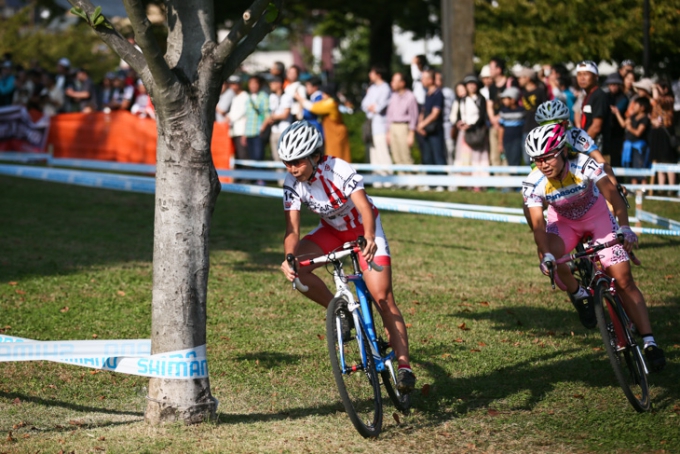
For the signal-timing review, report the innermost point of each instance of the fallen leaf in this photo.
(16, 401)
(75, 422)
(13, 283)
(597, 349)
(676, 345)
(94, 336)
(459, 340)
(463, 327)
(63, 309)
(493, 412)
(18, 425)
(551, 333)
(465, 304)
(578, 396)
(482, 344)
(321, 336)
(425, 390)
(446, 355)
(412, 311)
(257, 362)
(668, 276)
(120, 293)
(396, 417)
(102, 397)
(20, 292)
(101, 438)
(444, 434)
(409, 325)
(505, 341)
(27, 436)
(516, 344)
(98, 448)
(484, 303)
(10, 437)
(471, 446)
(475, 350)
(93, 372)
(415, 302)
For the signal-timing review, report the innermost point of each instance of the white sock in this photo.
(647, 341)
(581, 293)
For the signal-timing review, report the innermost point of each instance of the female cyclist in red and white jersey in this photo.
(331, 188)
(575, 190)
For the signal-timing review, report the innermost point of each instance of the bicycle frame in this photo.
(617, 312)
(361, 310)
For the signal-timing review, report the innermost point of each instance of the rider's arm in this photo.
(538, 226)
(610, 193)
(291, 240)
(368, 220)
(597, 156)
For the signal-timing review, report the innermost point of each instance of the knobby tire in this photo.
(359, 390)
(627, 363)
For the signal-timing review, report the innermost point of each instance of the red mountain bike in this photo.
(615, 327)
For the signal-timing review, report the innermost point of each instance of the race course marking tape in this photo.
(147, 185)
(124, 356)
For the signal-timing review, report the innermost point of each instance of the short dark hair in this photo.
(381, 71)
(644, 103)
(403, 77)
(422, 60)
(280, 67)
(315, 81)
(498, 61)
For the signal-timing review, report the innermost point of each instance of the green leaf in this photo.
(79, 12)
(272, 13)
(97, 11)
(100, 20)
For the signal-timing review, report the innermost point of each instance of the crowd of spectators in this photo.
(70, 89)
(482, 121)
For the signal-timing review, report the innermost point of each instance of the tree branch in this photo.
(248, 45)
(114, 40)
(241, 29)
(159, 68)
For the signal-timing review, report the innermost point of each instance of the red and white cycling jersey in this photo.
(579, 141)
(570, 197)
(327, 194)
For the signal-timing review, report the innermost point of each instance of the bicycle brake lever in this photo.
(551, 273)
(290, 258)
(623, 196)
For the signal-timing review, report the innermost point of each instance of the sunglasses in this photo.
(294, 162)
(546, 158)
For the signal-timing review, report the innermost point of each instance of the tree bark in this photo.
(187, 187)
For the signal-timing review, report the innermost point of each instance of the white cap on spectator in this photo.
(511, 92)
(589, 66)
(64, 62)
(486, 71)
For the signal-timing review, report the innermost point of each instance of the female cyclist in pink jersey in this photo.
(575, 190)
(331, 188)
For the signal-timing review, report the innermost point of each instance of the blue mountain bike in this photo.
(361, 359)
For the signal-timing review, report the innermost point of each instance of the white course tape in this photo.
(663, 199)
(124, 356)
(646, 216)
(102, 165)
(17, 156)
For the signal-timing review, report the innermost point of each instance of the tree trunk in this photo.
(187, 187)
(458, 34)
(380, 43)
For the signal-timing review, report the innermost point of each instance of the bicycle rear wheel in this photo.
(402, 402)
(355, 376)
(626, 359)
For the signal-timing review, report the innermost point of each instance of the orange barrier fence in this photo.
(121, 137)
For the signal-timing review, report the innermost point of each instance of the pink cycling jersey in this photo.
(575, 206)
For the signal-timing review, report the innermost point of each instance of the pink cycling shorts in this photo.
(329, 239)
(598, 222)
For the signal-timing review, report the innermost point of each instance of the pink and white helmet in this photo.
(545, 140)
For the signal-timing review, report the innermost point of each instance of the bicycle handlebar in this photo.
(348, 248)
(290, 258)
(590, 251)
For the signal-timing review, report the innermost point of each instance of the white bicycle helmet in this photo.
(552, 111)
(545, 140)
(299, 140)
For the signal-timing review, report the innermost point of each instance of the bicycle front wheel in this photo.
(626, 359)
(354, 370)
(402, 402)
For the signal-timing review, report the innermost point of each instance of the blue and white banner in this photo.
(19, 132)
(124, 356)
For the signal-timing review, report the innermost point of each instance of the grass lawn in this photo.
(522, 376)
